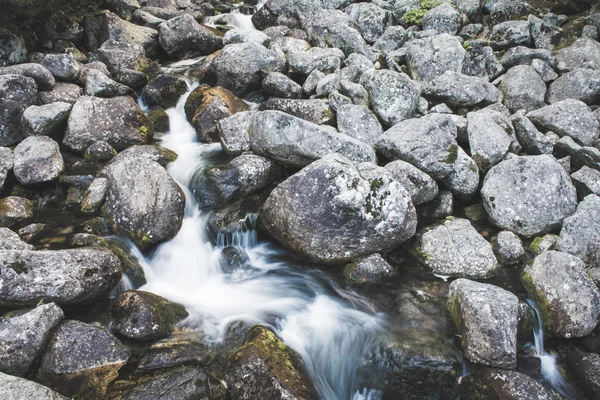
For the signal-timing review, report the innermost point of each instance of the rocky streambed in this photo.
(301, 200)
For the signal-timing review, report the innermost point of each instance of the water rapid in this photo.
(333, 330)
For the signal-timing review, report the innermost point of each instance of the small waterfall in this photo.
(333, 331)
(549, 366)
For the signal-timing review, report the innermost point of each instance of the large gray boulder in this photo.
(37, 159)
(359, 122)
(486, 317)
(239, 67)
(62, 66)
(579, 84)
(63, 92)
(580, 232)
(215, 187)
(532, 140)
(428, 143)
(14, 209)
(184, 34)
(143, 202)
(94, 195)
(104, 25)
(325, 60)
(14, 388)
(583, 53)
(490, 138)
(523, 89)
(99, 356)
(6, 165)
(10, 240)
(421, 187)
(23, 336)
(393, 96)
(48, 120)
(500, 384)
(454, 248)
(97, 83)
(234, 132)
(509, 34)
(430, 57)
(295, 142)
(568, 299)
(317, 111)
(568, 118)
(43, 78)
(521, 55)
(334, 211)
(463, 181)
(63, 276)
(587, 181)
(443, 19)
(17, 92)
(458, 90)
(118, 121)
(529, 195)
(12, 48)
(372, 21)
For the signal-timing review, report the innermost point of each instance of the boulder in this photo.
(490, 138)
(64, 276)
(454, 248)
(12, 48)
(246, 174)
(325, 60)
(567, 298)
(183, 34)
(486, 318)
(118, 121)
(176, 351)
(458, 90)
(392, 38)
(14, 388)
(579, 84)
(583, 53)
(145, 316)
(164, 90)
(62, 66)
(510, 34)
(40, 74)
(428, 143)
(497, 384)
(239, 35)
(143, 202)
(95, 195)
(264, 367)
(587, 181)
(279, 85)
(46, 120)
(99, 357)
(97, 83)
(529, 195)
(463, 180)
(6, 165)
(24, 335)
(121, 56)
(99, 151)
(295, 142)
(17, 92)
(350, 211)
(585, 370)
(61, 92)
(359, 122)
(371, 20)
(239, 67)
(15, 209)
(443, 19)
(580, 232)
(421, 187)
(369, 269)
(161, 155)
(37, 159)
(568, 118)
(523, 89)
(61, 26)
(532, 140)
(316, 111)
(430, 57)
(508, 248)
(234, 132)
(11, 241)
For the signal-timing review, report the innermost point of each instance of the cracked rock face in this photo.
(334, 211)
(529, 195)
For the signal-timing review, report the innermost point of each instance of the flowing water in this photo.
(548, 361)
(333, 330)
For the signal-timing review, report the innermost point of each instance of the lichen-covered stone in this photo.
(421, 187)
(164, 90)
(9, 240)
(184, 34)
(6, 164)
(523, 89)
(486, 317)
(369, 269)
(463, 181)
(581, 231)
(14, 388)
(48, 120)
(508, 248)
(37, 159)
(334, 211)
(567, 298)
(39, 73)
(489, 134)
(430, 57)
(458, 90)
(497, 384)
(15, 209)
(95, 195)
(317, 111)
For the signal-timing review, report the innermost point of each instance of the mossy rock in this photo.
(194, 101)
(159, 119)
(265, 368)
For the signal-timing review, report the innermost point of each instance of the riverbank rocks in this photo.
(23, 336)
(81, 360)
(94, 195)
(568, 299)
(458, 90)
(369, 269)
(239, 67)
(47, 120)
(455, 248)
(117, 121)
(14, 209)
(218, 186)
(17, 92)
(296, 142)
(145, 316)
(14, 388)
(585, 370)
(529, 195)
(143, 202)
(10, 240)
(583, 53)
(393, 96)
(580, 84)
(523, 89)
(496, 384)
(580, 232)
(184, 34)
(421, 187)
(217, 103)
(568, 118)
(508, 248)
(317, 111)
(264, 367)
(489, 133)
(37, 159)
(164, 90)
(486, 317)
(428, 143)
(334, 211)
(6, 164)
(43, 78)
(430, 57)
(75, 276)
(463, 181)
(62, 66)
